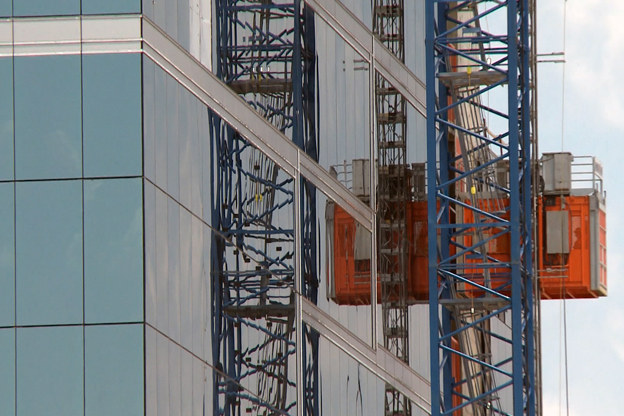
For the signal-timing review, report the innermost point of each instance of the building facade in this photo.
(110, 164)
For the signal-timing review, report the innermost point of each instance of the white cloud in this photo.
(553, 407)
(595, 35)
(594, 104)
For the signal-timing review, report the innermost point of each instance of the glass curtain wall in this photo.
(71, 246)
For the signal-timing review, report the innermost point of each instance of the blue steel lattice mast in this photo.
(266, 53)
(481, 302)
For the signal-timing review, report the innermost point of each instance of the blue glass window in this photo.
(110, 6)
(48, 132)
(46, 7)
(112, 115)
(7, 256)
(49, 252)
(50, 371)
(6, 8)
(113, 249)
(6, 117)
(114, 370)
(7, 371)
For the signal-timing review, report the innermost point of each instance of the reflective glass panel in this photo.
(149, 104)
(50, 371)
(6, 114)
(110, 6)
(160, 128)
(113, 250)
(47, 116)
(173, 147)
(46, 7)
(112, 114)
(150, 252)
(7, 256)
(184, 32)
(49, 252)
(7, 370)
(345, 385)
(114, 370)
(162, 262)
(151, 373)
(340, 269)
(345, 105)
(6, 8)
(255, 284)
(173, 273)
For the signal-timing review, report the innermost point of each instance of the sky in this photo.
(590, 112)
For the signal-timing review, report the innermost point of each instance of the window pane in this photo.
(149, 104)
(112, 114)
(47, 117)
(7, 256)
(6, 8)
(6, 115)
(50, 371)
(7, 371)
(110, 6)
(113, 233)
(45, 7)
(114, 370)
(49, 252)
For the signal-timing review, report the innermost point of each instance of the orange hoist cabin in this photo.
(572, 234)
(570, 248)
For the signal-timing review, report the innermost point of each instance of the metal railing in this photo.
(587, 174)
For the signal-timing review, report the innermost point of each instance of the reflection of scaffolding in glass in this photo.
(393, 193)
(267, 55)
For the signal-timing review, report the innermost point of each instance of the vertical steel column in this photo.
(432, 201)
(526, 123)
(469, 208)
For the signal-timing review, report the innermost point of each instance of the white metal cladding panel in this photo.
(188, 22)
(70, 35)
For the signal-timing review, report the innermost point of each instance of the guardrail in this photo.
(587, 174)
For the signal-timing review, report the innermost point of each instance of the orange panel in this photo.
(418, 285)
(352, 278)
(602, 218)
(498, 248)
(570, 274)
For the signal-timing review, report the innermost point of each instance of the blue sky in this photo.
(593, 120)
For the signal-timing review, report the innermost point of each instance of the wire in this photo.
(565, 348)
(563, 78)
(565, 320)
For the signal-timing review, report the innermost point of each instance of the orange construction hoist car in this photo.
(570, 247)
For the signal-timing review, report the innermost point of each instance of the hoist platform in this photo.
(571, 241)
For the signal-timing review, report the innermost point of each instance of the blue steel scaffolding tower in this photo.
(266, 53)
(469, 287)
